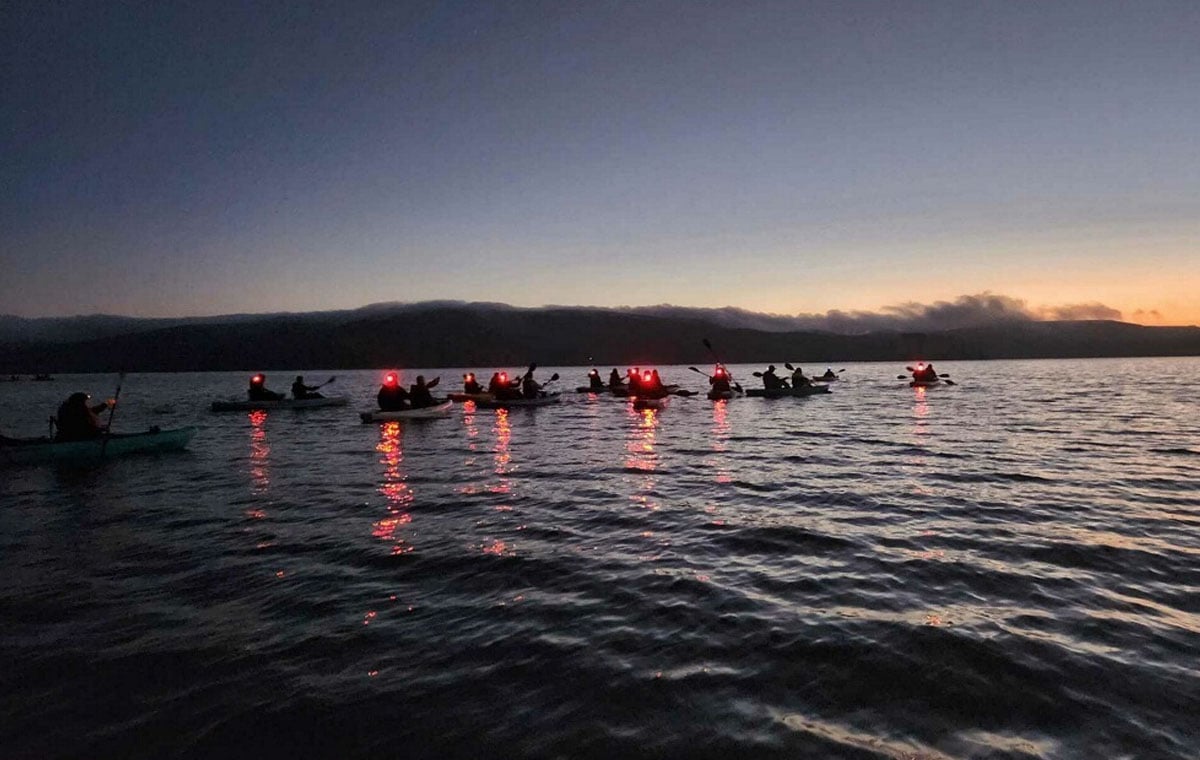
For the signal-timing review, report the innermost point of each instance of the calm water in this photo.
(1001, 569)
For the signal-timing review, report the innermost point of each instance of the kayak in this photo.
(590, 389)
(463, 397)
(625, 392)
(36, 450)
(722, 395)
(924, 383)
(504, 403)
(823, 379)
(803, 390)
(283, 403)
(641, 402)
(424, 413)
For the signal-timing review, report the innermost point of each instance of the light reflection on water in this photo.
(896, 572)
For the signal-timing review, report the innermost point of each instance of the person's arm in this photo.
(434, 381)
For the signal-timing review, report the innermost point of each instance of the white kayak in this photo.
(424, 413)
(283, 403)
(505, 403)
(35, 450)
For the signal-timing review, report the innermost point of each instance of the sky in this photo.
(198, 158)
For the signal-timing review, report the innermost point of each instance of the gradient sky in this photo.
(188, 158)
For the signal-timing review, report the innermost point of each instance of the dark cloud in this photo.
(1080, 311)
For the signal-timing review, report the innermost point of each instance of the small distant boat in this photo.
(16, 451)
(504, 403)
(803, 390)
(283, 403)
(423, 413)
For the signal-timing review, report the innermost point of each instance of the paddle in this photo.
(693, 369)
(111, 411)
(713, 351)
(327, 382)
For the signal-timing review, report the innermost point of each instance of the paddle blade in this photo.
(789, 366)
(553, 377)
(901, 377)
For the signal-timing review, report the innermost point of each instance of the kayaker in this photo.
(925, 373)
(258, 390)
(829, 374)
(651, 385)
(635, 381)
(595, 382)
(496, 385)
(720, 380)
(469, 384)
(771, 381)
(300, 391)
(76, 421)
(798, 378)
(419, 395)
(529, 386)
(392, 396)
(614, 379)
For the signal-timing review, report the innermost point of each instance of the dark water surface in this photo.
(1001, 569)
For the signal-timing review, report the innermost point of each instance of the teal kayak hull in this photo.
(43, 450)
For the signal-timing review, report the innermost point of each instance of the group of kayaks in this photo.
(15, 451)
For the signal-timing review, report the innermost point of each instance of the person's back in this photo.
(76, 421)
(300, 391)
(529, 386)
(771, 380)
(419, 395)
(798, 378)
(595, 382)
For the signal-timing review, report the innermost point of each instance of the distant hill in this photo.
(441, 334)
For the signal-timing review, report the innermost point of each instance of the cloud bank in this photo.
(965, 311)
